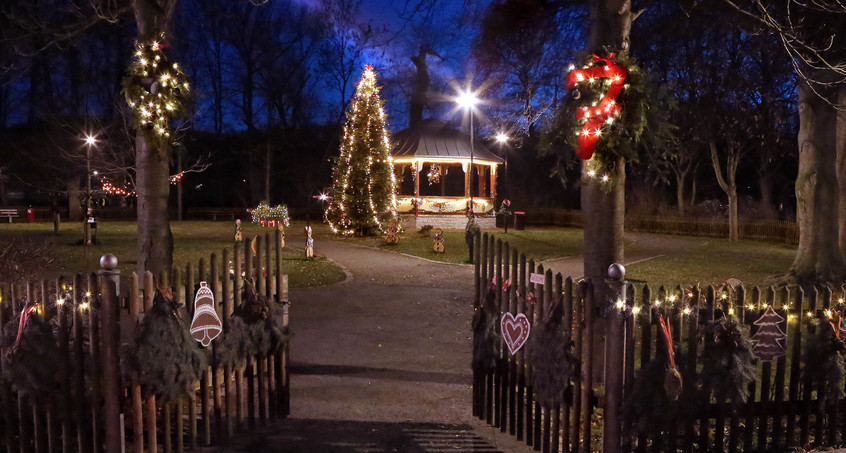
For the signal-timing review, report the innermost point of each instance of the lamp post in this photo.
(468, 100)
(502, 139)
(90, 140)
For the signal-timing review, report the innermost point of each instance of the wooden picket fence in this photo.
(91, 410)
(784, 409)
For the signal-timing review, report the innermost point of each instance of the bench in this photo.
(10, 213)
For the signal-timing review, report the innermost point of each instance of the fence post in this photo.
(614, 369)
(109, 283)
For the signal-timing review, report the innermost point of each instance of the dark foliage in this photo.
(825, 360)
(31, 367)
(255, 328)
(727, 362)
(550, 353)
(648, 406)
(486, 335)
(163, 357)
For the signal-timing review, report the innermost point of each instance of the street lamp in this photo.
(467, 100)
(502, 139)
(90, 141)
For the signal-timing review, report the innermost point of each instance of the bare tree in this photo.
(811, 35)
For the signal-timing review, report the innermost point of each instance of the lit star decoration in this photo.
(606, 109)
(363, 198)
(155, 90)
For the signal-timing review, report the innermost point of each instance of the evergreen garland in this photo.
(155, 91)
(364, 186)
(728, 362)
(825, 360)
(618, 139)
(163, 358)
(31, 367)
(255, 329)
(648, 407)
(550, 354)
(486, 335)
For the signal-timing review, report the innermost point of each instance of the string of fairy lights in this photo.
(155, 90)
(369, 134)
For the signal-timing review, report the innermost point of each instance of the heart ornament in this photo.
(515, 330)
(599, 113)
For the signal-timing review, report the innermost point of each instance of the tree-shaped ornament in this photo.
(769, 337)
(364, 186)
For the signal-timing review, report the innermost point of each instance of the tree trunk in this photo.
(680, 179)
(840, 147)
(728, 184)
(74, 206)
(155, 240)
(817, 192)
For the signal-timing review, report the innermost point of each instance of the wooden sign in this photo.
(538, 279)
(206, 325)
(515, 331)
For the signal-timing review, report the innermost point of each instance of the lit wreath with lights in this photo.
(605, 114)
(155, 90)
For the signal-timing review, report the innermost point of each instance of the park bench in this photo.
(9, 213)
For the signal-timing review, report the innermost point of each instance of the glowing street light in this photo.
(468, 100)
(90, 141)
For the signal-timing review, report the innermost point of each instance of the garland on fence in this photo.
(825, 360)
(727, 362)
(553, 364)
(30, 354)
(485, 335)
(255, 328)
(163, 358)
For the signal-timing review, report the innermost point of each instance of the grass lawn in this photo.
(192, 240)
(672, 260)
(537, 243)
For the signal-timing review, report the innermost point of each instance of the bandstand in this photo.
(438, 174)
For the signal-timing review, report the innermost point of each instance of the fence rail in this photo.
(785, 408)
(766, 230)
(92, 408)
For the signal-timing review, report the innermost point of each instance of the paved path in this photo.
(381, 362)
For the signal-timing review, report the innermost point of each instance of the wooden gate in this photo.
(785, 407)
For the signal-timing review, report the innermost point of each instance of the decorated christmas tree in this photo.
(769, 336)
(364, 188)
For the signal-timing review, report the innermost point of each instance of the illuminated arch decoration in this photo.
(603, 112)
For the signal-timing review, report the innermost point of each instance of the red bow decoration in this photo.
(29, 308)
(607, 107)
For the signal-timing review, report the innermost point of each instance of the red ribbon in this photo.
(607, 107)
(22, 323)
(665, 327)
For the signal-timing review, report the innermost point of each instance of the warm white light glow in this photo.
(467, 99)
(90, 139)
(501, 137)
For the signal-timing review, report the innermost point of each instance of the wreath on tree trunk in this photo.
(550, 354)
(30, 355)
(255, 328)
(163, 358)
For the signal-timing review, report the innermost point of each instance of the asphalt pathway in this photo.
(381, 361)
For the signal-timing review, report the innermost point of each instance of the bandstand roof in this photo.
(432, 140)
